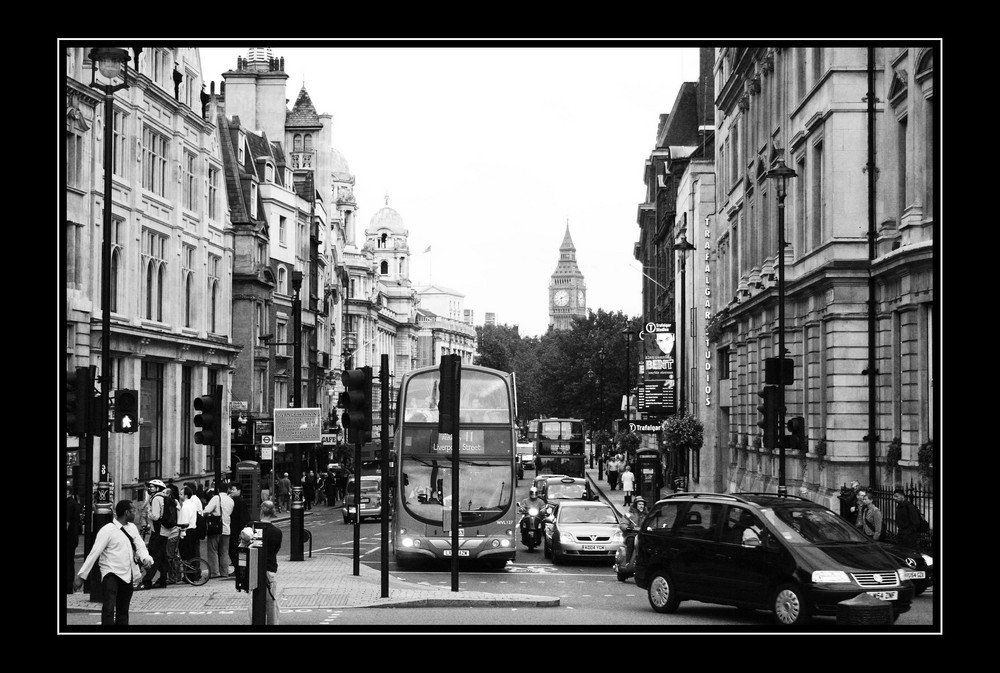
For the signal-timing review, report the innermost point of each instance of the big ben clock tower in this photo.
(567, 289)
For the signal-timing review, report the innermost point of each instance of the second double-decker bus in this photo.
(559, 447)
(421, 520)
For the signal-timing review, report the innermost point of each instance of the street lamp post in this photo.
(297, 514)
(628, 373)
(781, 173)
(111, 62)
(590, 379)
(683, 246)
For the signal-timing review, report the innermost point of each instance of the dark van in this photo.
(785, 554)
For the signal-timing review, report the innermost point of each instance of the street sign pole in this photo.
(383, 377)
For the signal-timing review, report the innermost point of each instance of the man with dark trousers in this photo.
(907, 520)
(71, 538)
(238, 519)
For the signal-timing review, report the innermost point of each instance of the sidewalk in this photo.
(322, 581)
(615, 498)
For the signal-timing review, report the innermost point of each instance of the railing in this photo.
(918, 494)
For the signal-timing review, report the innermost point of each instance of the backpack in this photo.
(201, 527)
(169, 517)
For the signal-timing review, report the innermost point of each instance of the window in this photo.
(268, 173)
(213, 192)
(118, 144)
(384, 268)
(282, 280)
(722, 360)
(154, 161)
(187, 400)
(253, 199)
(213, 292)
(282, 230)
(190, 89)
(700, 521)
(308, 140)
(662, 520)
(282, 337)
(151, 420)
(799, 185)
(187, 272)
(297, 142)
(280, 394)
(816, 215)
(116, 254)
(74, 159)
(901, 168)
(259, 391)
(154, 260)
(158, 66)
(187, 180)
(260, 322)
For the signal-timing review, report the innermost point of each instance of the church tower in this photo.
(567, 289)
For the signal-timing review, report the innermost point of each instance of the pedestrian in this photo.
(237, 521)
(201, 492)
(309, 489)
(162, 507)
(219, 505)
(142, 518)
(284, 489)
(342, 484)
(869, 516)
(613, 472)
(271, 536)
(71, 537)
(321, 488)
(849, 502)
(187, 521)
(628, 483)
(331, 489)
(907, 520)
(118, 550)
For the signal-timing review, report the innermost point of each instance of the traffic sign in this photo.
(297, 425)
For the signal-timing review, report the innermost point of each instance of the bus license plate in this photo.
(883, 595)
(461, 552)
(914, 575)
(594, 547)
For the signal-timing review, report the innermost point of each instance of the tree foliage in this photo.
(683, 432)
(552, 370)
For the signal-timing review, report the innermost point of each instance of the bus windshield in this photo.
(483, 399)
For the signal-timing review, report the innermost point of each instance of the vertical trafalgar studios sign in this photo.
(657, 369)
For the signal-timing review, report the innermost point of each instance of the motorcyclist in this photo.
(532, 501)
(636, 513)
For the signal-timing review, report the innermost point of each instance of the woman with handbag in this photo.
(218, 514)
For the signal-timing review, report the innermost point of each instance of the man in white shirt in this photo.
(187, 521)
(218, 545)
(118, 550)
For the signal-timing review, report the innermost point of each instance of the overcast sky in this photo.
(486, 152)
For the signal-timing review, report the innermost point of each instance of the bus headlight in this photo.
(407, 542)
(504, 543)
(495, 543)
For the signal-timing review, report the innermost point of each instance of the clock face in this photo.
(561, 298)
(579, 298)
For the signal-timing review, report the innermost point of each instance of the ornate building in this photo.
(171, 260)
(567, 288)
(444, 326)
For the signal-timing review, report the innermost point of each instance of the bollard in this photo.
(864, 610)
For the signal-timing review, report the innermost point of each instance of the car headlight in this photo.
(568, 537)
(928, 560)
(618, 538)
(824, 576)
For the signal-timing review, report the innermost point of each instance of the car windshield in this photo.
(366, 485)
(593, 514)
(811, 525)
(565, 491)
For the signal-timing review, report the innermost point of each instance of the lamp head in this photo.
(109, 60)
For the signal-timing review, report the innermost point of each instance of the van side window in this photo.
(700, 521)
(661, 520)
(741, 526)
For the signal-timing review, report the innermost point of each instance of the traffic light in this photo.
(797, 426)
(356, 402)
(79, 395)
(208, 420)
(126, 411)
(768, 409)
(451, 386)
(775, 370)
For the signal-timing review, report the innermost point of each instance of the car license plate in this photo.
(461, 552)
(883, 595)
(914, 575)
(364, 500)
(594, 547)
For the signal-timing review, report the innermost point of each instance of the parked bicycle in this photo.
(194, 571)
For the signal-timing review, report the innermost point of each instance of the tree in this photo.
(681, 433)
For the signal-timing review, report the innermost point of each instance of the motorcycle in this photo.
(531, 527)
(623, 569)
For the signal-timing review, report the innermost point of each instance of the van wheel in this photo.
(788, 607)
(663, 593)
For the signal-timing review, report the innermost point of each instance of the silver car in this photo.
(371, 500)
(581, 529)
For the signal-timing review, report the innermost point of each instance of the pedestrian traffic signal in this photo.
(79, 395)
(356, 401)
(768, 409)
(126, 411)
(208, 420)
(776, 370)
(797, 427)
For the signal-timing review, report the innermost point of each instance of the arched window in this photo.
(149, 290)
(297, 142)
(309, 142)
(159, 293)
(385, 267)
(282, 280)
(214, 293)
(401, 267)
(382, 241)
(188, 290)
(115, 261)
